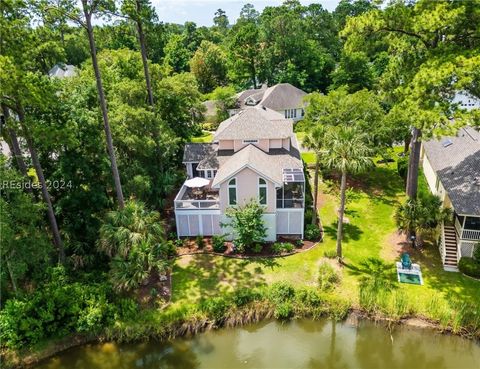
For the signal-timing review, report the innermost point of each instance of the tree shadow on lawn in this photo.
(208, 275)
(455, 286)
(350, 231)
(374, 269)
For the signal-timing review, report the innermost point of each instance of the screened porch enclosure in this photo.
(467, 227)
(292, 193)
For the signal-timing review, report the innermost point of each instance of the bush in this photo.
(279, 247)
(244, 296)
(402, 166)
(283, 311)
(299, 243)
(218, 243)
(281, 292)
(312, 232)
(308, 217)
(309, 297)
(247, 224)
(55, 309)
(330, 254)
(215, 307)
(327, 276)
(470, 267)
(200, 242)
(257, 249)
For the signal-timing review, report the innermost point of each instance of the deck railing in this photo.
(196, 204)
(442, 244)
(470, 234)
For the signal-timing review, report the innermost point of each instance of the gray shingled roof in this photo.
(254, 123)
(283, 96)
(269, 164)
(196, 152)
(457, 166)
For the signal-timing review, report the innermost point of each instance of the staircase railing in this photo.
(442, 244)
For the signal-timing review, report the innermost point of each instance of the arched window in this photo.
(232, 192)
(262, 191)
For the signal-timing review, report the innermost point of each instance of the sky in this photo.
(202, 11)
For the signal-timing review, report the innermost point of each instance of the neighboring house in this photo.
(466, 101)
(254, 155)
(62, 71)
(452, 169)
(282, 98)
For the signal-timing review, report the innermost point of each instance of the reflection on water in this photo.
(309, 344)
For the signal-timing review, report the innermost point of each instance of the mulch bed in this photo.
(190, 247)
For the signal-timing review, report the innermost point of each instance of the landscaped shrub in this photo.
(247, 224)
(283, 311)
(200, 242)
(281, 292)
(309, 297)
(469, 266)
(330, 254)
(299, 243)
(308, 216)
(218, 243)
(257, 248)
(312, 232)
(327, 276)
(280, 247)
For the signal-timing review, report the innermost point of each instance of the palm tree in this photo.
(348, 153)
(134, 239)
(315, 141)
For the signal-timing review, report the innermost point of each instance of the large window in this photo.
(290, 113)
(232, 192)
(262, 191)
(290, 196)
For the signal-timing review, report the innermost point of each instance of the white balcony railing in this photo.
(470, 234)
(196, 204)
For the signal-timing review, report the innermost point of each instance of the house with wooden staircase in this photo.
(452, 169)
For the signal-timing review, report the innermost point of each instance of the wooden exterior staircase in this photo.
(450, 250)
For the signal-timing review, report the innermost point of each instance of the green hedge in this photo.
(470, 267)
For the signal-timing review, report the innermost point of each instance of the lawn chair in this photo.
(406, 262)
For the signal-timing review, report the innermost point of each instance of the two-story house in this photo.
(283, 98)
(452, 168)
(254, 155)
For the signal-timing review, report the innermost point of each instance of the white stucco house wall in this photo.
(466, 101)
(254, 155)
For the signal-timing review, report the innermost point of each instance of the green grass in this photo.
(370, 233)
(308, 157)
(204, 137)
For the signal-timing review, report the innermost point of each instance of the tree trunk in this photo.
(12, 277)
(143, 49)
(406, 144)
(14, 145)
(413, 164)
(103, 107)
(45, 195)
(315, 192)
(343, 187)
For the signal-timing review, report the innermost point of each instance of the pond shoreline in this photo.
(12, 360)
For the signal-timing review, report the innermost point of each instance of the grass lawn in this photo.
(370, 233)
(204, 137)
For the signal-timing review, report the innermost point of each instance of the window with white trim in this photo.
(209, 174)
(232, 192)
(262, 191)
(290, 113)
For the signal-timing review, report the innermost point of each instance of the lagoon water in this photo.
(302, 344)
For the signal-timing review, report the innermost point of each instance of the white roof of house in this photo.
(62, 71)
(254, 123)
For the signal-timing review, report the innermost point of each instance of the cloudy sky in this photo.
(202, 11)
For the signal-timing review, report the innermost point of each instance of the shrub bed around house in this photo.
(470, 267)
